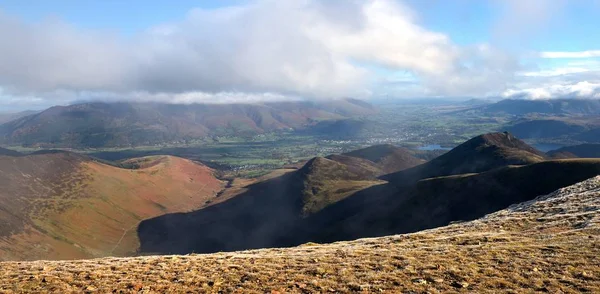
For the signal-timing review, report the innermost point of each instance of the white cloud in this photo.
(582, 89)
(265, 49)
(555, 72)
(570, 54)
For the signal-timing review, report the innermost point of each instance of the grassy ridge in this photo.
(80, 207)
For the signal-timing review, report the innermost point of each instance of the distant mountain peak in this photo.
(481, 153)
(501, 140)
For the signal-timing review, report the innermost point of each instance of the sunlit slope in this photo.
(549, 244)
(64, 205)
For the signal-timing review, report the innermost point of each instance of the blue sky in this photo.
(124, 16)
(219, 51)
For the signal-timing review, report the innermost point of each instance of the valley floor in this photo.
(550, 244)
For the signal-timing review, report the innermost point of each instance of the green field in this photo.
(409, 125)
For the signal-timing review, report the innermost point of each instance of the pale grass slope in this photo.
(550, 244)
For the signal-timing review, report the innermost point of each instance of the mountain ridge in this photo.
(326, 201)
(549, 106)
(97, 124)
(577, 151)
(478, 154)
(63, 205)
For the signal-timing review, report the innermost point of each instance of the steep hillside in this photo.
(439, 201)
(64, 205)
(479, 154)
(536, 129)
(327, 201)
(377, 160)
(126, 124)
(552, 106)
(327, 181)
(259, 216)
(549, 244)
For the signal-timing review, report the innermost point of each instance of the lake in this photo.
(545, 147)
(433, 147)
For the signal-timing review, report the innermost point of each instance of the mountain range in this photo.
(328, 200)
(133, 124)
(548, 107)
(64, 205)
(479, 154)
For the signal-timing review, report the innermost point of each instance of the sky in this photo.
(219, 51)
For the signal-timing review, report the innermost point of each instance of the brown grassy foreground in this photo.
(550, 245)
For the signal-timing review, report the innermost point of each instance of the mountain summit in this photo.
(482, 153)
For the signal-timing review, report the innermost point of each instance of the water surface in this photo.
(432, 147)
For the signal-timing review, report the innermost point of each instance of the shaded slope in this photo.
(64, 205)
(313, 201)
(252, 219)
(561, 155)
(591, 136)
(256, 218)
(545, 245)
(384, 210)
(326, 201)
(126, 124)
(479, 154)
(582, 151)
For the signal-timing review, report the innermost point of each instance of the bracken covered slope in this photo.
(64, 205)
(550, 244)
